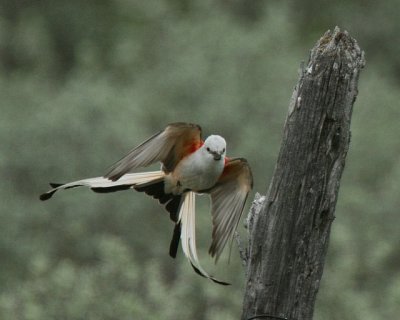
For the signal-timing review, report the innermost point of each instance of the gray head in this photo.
(216, 146)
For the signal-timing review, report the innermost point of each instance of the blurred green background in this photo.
(82, 82)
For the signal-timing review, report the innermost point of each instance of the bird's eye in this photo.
(223, 150)
(208, 149)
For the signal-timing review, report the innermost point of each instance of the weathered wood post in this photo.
(289, 230)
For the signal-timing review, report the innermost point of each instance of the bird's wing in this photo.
(188, 235)
(103, 185)
(228, 198)
(169, 146)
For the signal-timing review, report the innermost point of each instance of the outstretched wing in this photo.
(169, 146)
(228, 198)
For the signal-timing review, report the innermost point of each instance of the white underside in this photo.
(199, 171)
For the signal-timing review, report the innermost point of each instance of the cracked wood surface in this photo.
(289, 236)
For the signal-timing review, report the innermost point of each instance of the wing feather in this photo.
(168, 146)
(228, 198)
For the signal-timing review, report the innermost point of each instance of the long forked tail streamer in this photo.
(188, 235)
(103, 185)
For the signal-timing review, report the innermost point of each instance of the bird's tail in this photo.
(155, 188)
(172, 204)
(186, 228)
(180, 207)
(104, 185)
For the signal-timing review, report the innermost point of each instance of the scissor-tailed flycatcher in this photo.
(189, 166)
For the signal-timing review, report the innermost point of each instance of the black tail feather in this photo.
(47, 195)
(111, 189)
(55, 185)
(173, 208)
(173, 247)
(156, 190)
(211, 278)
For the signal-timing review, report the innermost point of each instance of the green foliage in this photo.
(83, 82)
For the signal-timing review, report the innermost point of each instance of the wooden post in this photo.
(289, 232)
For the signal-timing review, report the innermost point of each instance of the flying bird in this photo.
(189, 166)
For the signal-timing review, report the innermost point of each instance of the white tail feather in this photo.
(130, 179)
(187, 215)
(188, 233)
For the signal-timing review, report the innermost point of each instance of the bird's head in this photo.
(215, 146)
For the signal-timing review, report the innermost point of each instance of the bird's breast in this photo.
(196, 172)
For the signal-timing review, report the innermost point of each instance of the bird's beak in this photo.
(217, 156)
